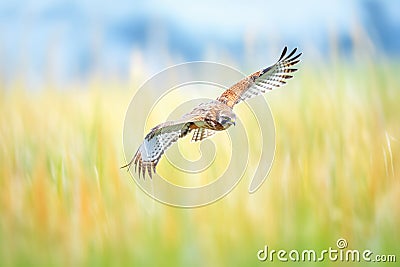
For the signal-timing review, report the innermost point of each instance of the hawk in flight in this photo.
(207, 118)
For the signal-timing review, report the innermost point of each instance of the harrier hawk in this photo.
(207, 118)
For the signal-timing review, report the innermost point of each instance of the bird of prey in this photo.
(207, 118)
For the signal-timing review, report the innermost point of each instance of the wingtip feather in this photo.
(283, 53)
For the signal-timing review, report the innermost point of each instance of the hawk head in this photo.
(226, 117)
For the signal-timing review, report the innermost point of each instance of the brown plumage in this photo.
(207, 118)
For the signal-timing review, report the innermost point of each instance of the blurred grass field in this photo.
(65, 202)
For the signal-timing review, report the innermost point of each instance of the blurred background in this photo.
(63, 41)
(68, 70)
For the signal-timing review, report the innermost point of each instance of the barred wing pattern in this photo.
(260, 81)
(202, 133)
(156, 142)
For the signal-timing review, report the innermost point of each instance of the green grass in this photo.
(65, 202)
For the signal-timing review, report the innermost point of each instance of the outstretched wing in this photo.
(260, 81)
(157, 141)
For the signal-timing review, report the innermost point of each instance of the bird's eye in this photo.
(225, 118)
